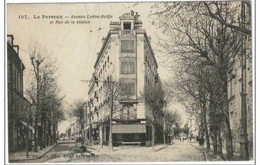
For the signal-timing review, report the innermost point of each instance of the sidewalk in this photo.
(21, 155)
(209, 155)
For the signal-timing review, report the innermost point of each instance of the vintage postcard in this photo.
(106, 82)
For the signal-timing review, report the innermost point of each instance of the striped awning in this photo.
(128, 128)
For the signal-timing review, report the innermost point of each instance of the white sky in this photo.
(72, 45)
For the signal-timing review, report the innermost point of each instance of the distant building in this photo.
(18, 105)
(126, 57)
(193, 124)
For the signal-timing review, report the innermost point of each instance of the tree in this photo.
(154, 99)
(172, 121)
(45, 94)
(78, 112)
(193, 37)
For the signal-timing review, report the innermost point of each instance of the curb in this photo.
(37, 157)
(161, 148)
(205, 153)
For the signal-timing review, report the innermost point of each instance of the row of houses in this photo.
(18, 105)
(21, 111)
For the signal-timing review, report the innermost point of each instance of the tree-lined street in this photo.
(201, 110)
(179, 151)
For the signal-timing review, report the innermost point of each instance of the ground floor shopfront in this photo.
(134, 131)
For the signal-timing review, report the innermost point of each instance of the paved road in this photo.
(54, 155)
(179, 151)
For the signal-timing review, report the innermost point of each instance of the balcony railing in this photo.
(127, 31)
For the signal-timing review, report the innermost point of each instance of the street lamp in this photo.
(244, 154)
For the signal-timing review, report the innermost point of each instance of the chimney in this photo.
(16, 48)
(132, 13)
(10, 39)
(136, 17)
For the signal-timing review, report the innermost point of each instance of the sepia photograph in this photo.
(130, 82)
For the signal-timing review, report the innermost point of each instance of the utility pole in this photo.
(111, 115)
(244, 154)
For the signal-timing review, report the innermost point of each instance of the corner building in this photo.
(126, 56)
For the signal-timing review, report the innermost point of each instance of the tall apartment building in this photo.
(126, 58)
(17, 103)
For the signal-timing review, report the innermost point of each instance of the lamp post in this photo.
(244, 154)
(111, 116)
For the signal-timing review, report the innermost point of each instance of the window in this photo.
(128, 89)
(127, 25)
(128, 112)
(128, 67)
(127, 46)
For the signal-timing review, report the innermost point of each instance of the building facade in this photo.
(18, 105)
(234, 93)
(125, 65)
(235, 90)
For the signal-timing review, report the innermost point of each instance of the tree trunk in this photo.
(51, 134)
(215, 142)
(41, 133)
(229, 145)
(90, 135)
(36, 133)
(153, 135)
(27, 138)
(206, 126)
(54, 133)
(220, 145)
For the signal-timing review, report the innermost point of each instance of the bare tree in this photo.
(193, 38)
(78, 112)
(45, 94)
(154, 99)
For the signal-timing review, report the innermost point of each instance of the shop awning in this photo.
(25, 124)
(128, 128)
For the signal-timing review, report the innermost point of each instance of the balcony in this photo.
(127, 31)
